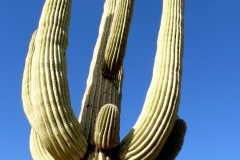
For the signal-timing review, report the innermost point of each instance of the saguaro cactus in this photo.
(57, 134)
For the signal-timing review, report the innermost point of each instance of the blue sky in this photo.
(210, 95)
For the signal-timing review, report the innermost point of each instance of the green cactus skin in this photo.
(174, 142)
(45, 94)
(159, 112)
(106, 134)
(56, 133)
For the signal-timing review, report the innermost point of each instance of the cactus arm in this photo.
(53, 119)
(174, 142)
(159, 112)
(37, 150)
(117, 41)
(106, 134)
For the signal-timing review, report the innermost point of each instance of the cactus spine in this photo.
(56, 133)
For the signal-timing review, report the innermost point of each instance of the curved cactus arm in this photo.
(174, 142)
(117, 41)
(101, 89)
(45, 88)
(37, 150)
(159, 112)
(106, 135)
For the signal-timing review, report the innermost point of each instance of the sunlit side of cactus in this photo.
(57, 134)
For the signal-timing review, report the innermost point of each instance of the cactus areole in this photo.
(57, 134)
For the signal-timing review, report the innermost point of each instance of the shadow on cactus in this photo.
(57, 134)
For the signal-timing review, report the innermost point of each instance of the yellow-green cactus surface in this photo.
(57, 134)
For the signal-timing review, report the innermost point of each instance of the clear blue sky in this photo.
(210, 95)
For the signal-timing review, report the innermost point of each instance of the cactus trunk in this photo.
(57, 134)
